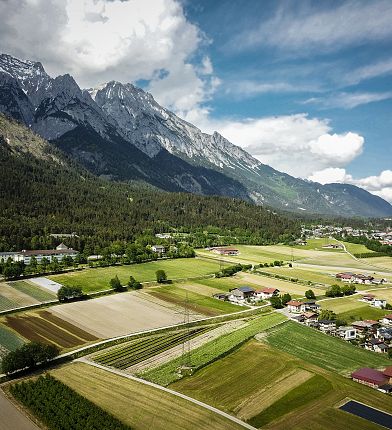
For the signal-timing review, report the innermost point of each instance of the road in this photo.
(11, 418)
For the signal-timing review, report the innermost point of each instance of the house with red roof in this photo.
(295, 306)
(266, 293)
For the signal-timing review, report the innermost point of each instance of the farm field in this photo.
(322, 350)
(384, 293)
(44, 327)
(137, 405)
(317, 245)
(351, 309)
(251, 254)
(195, 302)
(211, 351)
(301, 274)
(131, 353)
(284, 392)
(357, 248)
(382, 262)
(33, 290)
(98, 279)
(120, 314)
(9, 341)
(295, 289)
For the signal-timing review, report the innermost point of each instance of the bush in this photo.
(134, 284)
(309, 294)
(161, 276)
(276, 302)
(334, 291)
(28, 356)
(69, 293)
(285, 298)
(116, 284)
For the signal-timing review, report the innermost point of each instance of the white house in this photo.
(295, 306)
(327, 325)
(14, 256)
(387, 319)
(266, 293)
(159, 249)
(239, 295)
(379, 303)
(347, 333)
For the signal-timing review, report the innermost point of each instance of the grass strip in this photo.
(310, 390)
(211, 351)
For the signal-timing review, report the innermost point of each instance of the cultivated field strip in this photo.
(124, 356)
(6, 303)
(47, 328)
(32, 290)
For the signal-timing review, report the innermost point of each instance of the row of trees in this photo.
(340, 290)
(28, 356)
(372, 244)
(232, 270)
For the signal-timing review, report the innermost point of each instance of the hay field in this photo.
(277, 390)
(119, 314)
(301, 274)
(98, 279)
(140, 406)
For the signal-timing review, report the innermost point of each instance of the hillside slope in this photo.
(43, 191)
(120, 132)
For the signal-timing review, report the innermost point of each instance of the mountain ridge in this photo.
(119, 131)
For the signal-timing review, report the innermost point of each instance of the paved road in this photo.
(167, 390)
(11, 418)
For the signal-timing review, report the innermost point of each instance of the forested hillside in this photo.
(42, 192)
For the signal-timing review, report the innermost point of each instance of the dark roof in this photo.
(369, 375)
(327, 321)
(246, 289)
(386, 387)
(47, 252)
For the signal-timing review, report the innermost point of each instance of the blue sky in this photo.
(304, 86)
(317, 77)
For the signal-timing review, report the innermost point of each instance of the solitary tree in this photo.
(161, 276)
(285, 298)
(276, 302)
(116, 284)
(68, 293)
(309, 294)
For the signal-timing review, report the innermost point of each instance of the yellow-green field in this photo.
(276, 390)
(301, 274)
(98, 278)
(138, 405)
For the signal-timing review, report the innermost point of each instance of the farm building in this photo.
(225, 251)
(240, 294)
(379, 303)
(311, 305)
(376, 345)
(368, 298)
(333, 246)
(310, 318)
(370, 377)
(384, 333)
(345, 276)
(295, 306)
(266, 293)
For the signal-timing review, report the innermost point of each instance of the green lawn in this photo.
(211, 351)
(323, 350)
(317, 245)
(309, 391)
(357, 248)
(98, 278)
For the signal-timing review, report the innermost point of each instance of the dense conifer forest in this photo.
(42, 192)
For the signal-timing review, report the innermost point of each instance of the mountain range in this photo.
(119, 132)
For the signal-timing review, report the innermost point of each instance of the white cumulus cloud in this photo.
(98, 40)
(380, 185)
(295, 144)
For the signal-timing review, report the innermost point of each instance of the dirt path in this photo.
(11, 418)
(175, 352)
